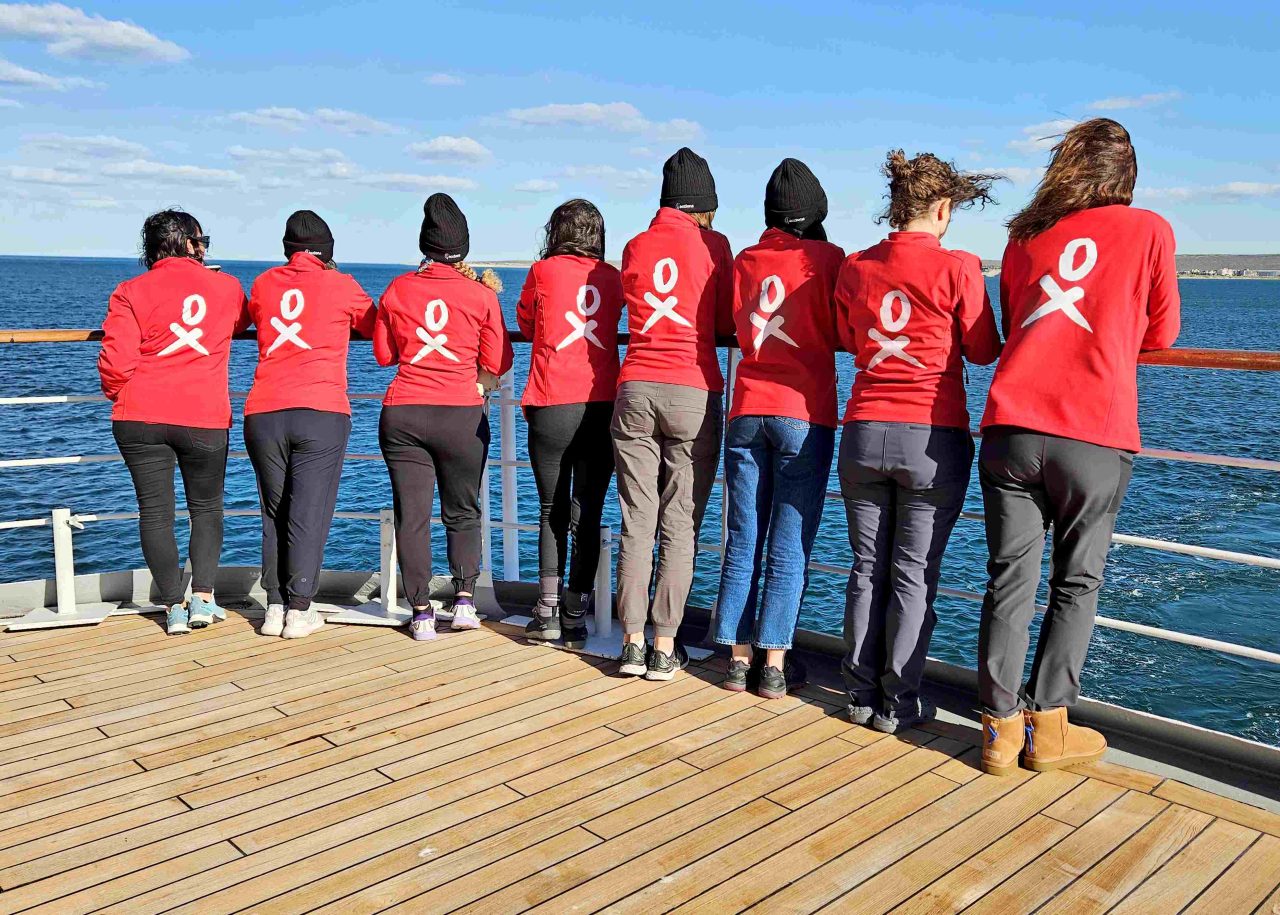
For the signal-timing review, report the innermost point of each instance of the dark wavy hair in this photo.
(165, 234)
(575, 227)
(917, 184)
(1093, 165)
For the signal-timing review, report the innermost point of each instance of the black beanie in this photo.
(687, 184)
(794, 200)
(305, 231)
(444, 236)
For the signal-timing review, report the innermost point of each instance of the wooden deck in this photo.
(359, 771)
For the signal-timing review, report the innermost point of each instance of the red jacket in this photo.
(1079, 302)
(166, 344)
(677, 278)
(305, 315)
(569, 308)
(440, 327)
(785, 318)
(909, 310)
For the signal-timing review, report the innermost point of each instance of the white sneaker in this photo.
(301, 623)
(274, 623)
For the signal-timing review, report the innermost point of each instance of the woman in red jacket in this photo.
(1088, 282)
(442, 326)
(569, 308)
(912, 311)
(165, 348)
(297, 418)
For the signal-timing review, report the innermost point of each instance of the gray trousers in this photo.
(1029, 482)
(903, 486)
(666, 441)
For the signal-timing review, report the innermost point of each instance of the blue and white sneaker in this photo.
(176, 620)
(202, 612)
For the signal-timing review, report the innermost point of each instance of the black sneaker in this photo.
(794, 673)
(663, 666)
(633, 661)
(543, 628)
(892, 722)
(573, 619)
(736, 679)
(773, 684)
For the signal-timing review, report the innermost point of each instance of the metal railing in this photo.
(63, 521)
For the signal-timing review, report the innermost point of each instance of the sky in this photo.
(242, 112)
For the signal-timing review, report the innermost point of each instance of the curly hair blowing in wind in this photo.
(916, 184)
(1093, 165)
(575, 227)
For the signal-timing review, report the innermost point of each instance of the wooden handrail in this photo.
(1185, 356)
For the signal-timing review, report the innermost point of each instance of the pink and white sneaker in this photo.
(464, 615)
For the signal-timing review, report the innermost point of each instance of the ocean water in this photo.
(1230, 413)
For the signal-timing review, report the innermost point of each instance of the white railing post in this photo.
(64, 571)
(604, 584)
(510, 498)
(387, 565)
(486, 522)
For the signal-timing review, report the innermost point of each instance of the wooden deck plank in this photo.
(970, 880)
(1225, 808)
(359, 770)
(1189, 871)
(1245, 884)
(1046, 875)
(1111, 879)
(933, 860)
(841, 873)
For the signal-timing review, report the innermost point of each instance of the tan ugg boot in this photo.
(1053, 743)
(1002, 740)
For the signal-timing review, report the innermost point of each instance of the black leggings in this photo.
(297, 455)
(424, 445)
(151, 451)
(571, 450)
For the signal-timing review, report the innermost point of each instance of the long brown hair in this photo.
(1093, 165)
(575, 227)
(917, 184)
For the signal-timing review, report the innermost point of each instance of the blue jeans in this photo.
(775, 472)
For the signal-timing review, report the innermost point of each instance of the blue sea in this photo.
(1220, 412)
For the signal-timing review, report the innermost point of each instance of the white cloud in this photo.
(340, 169)
(294, 155)
(620, 117)
(99, 146)
(624, 178)
(273, 182)
(163, 172)
(443, 79)
(295, 119)
(1230, 191)
(449, 149)
(96, 203)
(1041, 136)
(1122, 102)
(537, 186)
(9, 103)
(39, 175)
(13, 75)
(70, 32)
(392, 181)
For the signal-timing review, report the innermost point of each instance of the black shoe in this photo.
(573, 619)
(793, 671)
(736, 679)
(633, 661)
(891, 722)
(663, 666)
(773, 684)
(543, 628)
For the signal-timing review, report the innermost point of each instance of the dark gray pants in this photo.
(903, 486)
(297, 456)
(1029, 482)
